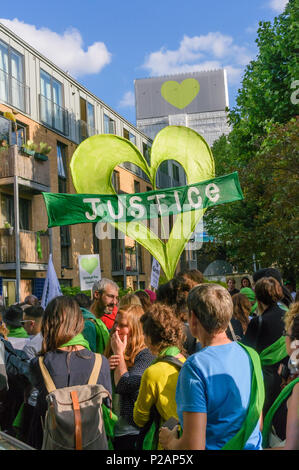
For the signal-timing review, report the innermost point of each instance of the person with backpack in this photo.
(65, 372)
(155, 404)
(220, 391)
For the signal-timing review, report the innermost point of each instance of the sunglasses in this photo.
(25, 321)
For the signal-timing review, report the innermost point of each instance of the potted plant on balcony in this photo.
(29, 148)
(7, 229)
(44, 149)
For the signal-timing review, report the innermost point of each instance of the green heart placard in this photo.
(89, 264)
(180, 95)
(92, 167)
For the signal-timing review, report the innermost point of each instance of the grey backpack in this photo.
(74, 419)
(3, 374)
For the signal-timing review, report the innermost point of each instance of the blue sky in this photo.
(106, 45)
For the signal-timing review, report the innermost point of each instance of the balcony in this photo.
(28, 250)
(32, 173)
(14, 93)
(53, 115)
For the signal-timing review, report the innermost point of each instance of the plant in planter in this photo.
(44, 149)
(29, 148)
(8, 228)
(3, 144)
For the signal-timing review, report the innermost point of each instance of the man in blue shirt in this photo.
(214, 386)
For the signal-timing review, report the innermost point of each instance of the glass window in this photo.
(12, 88)
(8, 215)
(136, 186)
(109, 125)
(51, 101)
(61, 161)
(65, 243)
(87, 119)
(175, 172)
(128, 135)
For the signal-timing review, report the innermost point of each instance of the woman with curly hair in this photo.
(128, 357)
(163, 333)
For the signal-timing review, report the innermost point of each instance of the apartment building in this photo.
(44, 105)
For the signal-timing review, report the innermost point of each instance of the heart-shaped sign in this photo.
(180, 95)
(89, 264)
(92, 167)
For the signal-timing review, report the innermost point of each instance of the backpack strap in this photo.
(96, 370)
(171, 360)
(50, 386)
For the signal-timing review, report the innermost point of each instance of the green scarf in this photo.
(286, 391)
(78, 340)
(102, 335)
(274, 353)
(170, 351)
(257, 397)
(17, 332)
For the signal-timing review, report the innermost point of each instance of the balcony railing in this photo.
(53, 115)
(14, 93)
(85, 130)
(14, 163)
(28, 247)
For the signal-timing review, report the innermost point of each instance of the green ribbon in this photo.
(170, 351)
(38, 246)
(274, 353)
(17, 332)
(257, 397)
(77, 340)
(68, 209)
(286, 391)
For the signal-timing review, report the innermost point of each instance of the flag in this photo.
(51, 286)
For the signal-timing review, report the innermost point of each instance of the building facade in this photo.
(42, 104)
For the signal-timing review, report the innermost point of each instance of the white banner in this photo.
(155, 275)
(89, 270)
(51, 286)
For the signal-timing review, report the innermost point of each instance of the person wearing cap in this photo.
(251, 297)
(17, 335)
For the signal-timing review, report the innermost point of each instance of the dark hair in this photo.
(247, 279)
(62, 321)
(166, 293)
(31, 300)
(162, 326)
(295, 327)
(242, 308)
(83, 300)
(35, 311)
(268, 291)
(144, 299)
(193, 274)
(272, 272)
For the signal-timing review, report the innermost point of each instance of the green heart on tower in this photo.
(89, 264)
(180, 95)
(92, 168)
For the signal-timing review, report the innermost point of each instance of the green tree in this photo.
(263, 148)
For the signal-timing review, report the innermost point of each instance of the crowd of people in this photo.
(194, 365)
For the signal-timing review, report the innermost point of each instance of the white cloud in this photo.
(205, 52)
(278, 5)
(128, 100)
(65, 50)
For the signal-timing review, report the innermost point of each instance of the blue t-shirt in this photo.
(217, 381)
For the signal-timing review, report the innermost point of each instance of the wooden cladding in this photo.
(28, 247)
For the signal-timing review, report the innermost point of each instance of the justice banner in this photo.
(69, 209)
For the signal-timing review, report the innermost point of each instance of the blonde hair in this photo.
(129, 299)
(135, 342)
(290, 315)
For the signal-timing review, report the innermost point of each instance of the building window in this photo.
(116, 181)
(129, 136)
(175, 172)
(146, 150)
(117, 252)
(109, 125)
(12, 88)
(136, 186)
(52, 112)
(8, 215)
(65, 239)
(87, 120)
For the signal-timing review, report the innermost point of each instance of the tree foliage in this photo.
(263, 148)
